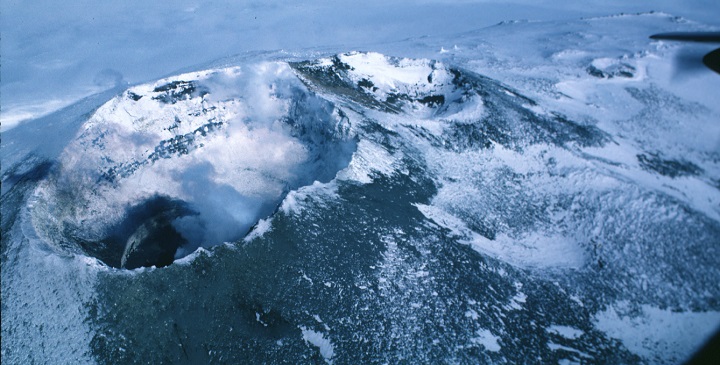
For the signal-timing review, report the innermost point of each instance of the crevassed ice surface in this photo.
(452, 203)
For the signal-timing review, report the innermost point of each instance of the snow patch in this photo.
(263, 226)
(387, 75)
(318, 340)
(532, 250)
(296, 200)
(369, 158)
(658, 335)
(487, 339)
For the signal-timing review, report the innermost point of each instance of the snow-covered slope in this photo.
(533, 192)
(212, 151)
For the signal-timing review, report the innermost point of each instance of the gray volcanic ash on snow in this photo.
(453, 205)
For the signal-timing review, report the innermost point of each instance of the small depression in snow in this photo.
(189, 161)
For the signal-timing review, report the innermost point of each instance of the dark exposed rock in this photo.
(670, 168)
(178, 145)
(433, 100)
(619, 70)
(367, 84)
(134, 96)
(594, 71)
(334, 80)
(396, 99)
(174, 91)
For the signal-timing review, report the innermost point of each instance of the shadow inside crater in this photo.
(145, 237)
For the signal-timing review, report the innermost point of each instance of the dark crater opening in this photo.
(145, 236)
